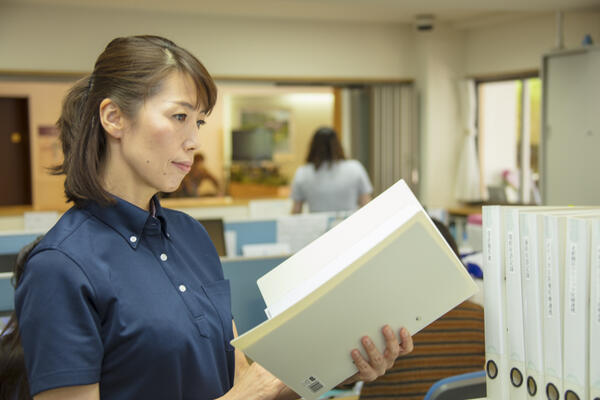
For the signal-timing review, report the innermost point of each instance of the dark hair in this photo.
(129, 71)
(13, 378)
(325, 147)
(446, 234)
(198, 157)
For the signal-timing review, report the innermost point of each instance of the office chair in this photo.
(459, 387)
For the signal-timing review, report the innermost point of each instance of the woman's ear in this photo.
(112, 118)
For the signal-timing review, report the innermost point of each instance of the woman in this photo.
(329, 182)
(192, 181)
(124, 299)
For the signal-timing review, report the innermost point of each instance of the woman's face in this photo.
(157, 148)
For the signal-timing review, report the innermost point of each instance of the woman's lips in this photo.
(183, 166)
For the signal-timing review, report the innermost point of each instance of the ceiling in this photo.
(392, 11)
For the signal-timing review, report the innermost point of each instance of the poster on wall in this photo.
(276, 122)
(50, 152)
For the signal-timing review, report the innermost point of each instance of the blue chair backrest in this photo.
(459, 387)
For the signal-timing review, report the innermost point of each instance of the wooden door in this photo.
(15, 165)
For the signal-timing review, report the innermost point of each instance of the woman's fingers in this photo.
(365, 371)
(392, 347)
(378, 363)
(406, 344)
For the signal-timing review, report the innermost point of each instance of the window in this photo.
(509, 129)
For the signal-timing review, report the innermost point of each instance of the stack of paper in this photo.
(385, 264)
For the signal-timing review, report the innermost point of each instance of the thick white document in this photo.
(529, 235)
(576, 307)
(553, 248)
(494, 293)
(553, 244)
(595, 311)
(514, 308)
(385, 264)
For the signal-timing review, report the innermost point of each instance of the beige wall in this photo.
(70, 38)
(519, 45)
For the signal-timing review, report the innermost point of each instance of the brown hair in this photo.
(324, 147)
(129, 70)
(13, 379)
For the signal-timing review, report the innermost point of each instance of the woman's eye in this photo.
(180, 117)
(199, 123)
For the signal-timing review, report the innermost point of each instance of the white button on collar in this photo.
(163, 257)
(133, 239)
(182, 288)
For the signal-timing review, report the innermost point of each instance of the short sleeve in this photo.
(58, 323)
(297, 192)
(365, 186)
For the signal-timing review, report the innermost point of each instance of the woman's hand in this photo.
(378, 364)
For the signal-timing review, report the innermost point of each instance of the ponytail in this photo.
(84, 153)
(13, 376)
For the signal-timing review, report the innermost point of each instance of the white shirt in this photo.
(333, 187)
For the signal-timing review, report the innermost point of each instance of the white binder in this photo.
(514, 309)
(532, 307)
(576, 308)
(553, 244)
(553, 249)
(595, 311)
(494, 304)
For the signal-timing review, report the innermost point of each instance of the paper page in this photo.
(39, 221)
(231, 243)
(265, 249)
(300, 230)
(343, 260)
(306, 263)
(269, 208)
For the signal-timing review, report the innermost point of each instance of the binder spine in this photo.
(532, 313)
(552, 300)
(514, 314)
(595, 312)
(494, 300)
(576, 329)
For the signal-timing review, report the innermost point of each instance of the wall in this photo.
(227, 46)
(441, 56)
(519, 44)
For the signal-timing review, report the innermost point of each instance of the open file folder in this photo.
(385, 264)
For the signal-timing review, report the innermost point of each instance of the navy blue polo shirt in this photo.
(133, 301)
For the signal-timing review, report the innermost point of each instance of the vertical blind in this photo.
(394, 137)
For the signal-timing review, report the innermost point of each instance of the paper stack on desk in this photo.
(385, 264)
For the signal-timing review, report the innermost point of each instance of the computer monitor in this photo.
(252, 145)
(216, 231)
(7, 262)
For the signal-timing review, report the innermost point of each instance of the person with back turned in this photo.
(328, 181)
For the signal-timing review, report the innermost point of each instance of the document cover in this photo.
(385, 264)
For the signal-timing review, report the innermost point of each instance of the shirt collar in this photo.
(126, 218)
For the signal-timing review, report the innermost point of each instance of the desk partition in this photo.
(247, 303)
